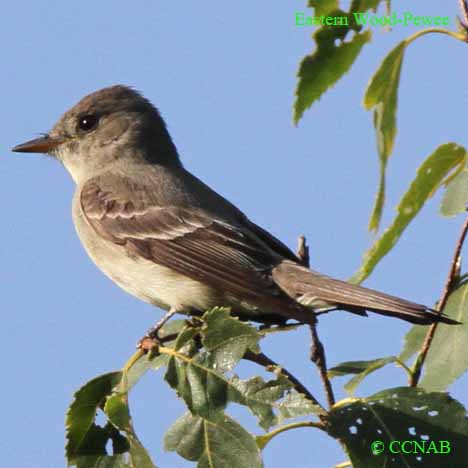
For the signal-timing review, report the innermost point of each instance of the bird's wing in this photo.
(227, 257)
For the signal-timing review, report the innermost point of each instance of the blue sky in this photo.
(223, 76)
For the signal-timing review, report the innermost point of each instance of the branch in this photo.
(449, 284)
(265, 361)
(317, 351)
(303, 251)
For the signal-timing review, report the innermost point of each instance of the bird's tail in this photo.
(315, 290)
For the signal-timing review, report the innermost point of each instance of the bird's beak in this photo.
(43, 144)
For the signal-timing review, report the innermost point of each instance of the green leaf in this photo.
(220, 443)
(86, 441)
(116, 409)
(80, 428)
(198, 377)
(227, 338)
(382, 93)
(413, 341)
(321, 70)
(149, 361)
(397, 415)
(330, 61)
(361, 368)
(428, 179)
(204, 390)
(294, 405)
(273, 401)
(323, 7)
(447, 358)
(361, 6)
(114, 461)
(455, 198)
(260, 397)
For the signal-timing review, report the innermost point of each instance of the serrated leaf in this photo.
(455, 199)
(321, 70)
(116, 409)
(295, 405)
(227, 338)
(429, 177)
(271, 401)
(204, 390)
(447, 359)
(361, 368)
(261, 397)
(220, 443)
(198, 377)
(398, 415)
(81, 415)
(87, 442)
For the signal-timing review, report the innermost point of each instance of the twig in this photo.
(449, 284)
(303, 251)
(265, 361)
(317, 356)
(317, 351)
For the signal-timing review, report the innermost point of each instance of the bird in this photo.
(164, 236)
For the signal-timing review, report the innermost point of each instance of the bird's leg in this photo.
(151, 336)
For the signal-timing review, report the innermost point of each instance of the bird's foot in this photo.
(151, 338)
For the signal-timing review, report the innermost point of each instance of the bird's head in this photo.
(109, 126)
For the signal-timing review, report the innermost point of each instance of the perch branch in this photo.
(317, 351)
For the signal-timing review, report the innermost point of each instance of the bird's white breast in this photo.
(144, 279)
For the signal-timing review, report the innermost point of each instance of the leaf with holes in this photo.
(434, 421)
(218, 443)
(273, 401)
(116, 409)
(198, 376)
(87, 442)
(431, 174)
(361, 368)
(321, 70)
(84, 437)
(227, 339)
(296, 404)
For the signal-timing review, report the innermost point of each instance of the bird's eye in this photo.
(88, 122)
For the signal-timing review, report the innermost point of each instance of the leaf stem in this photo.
(400, 363)
(449, 284)
(263, 440)
(458, 36)
(132, 360)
